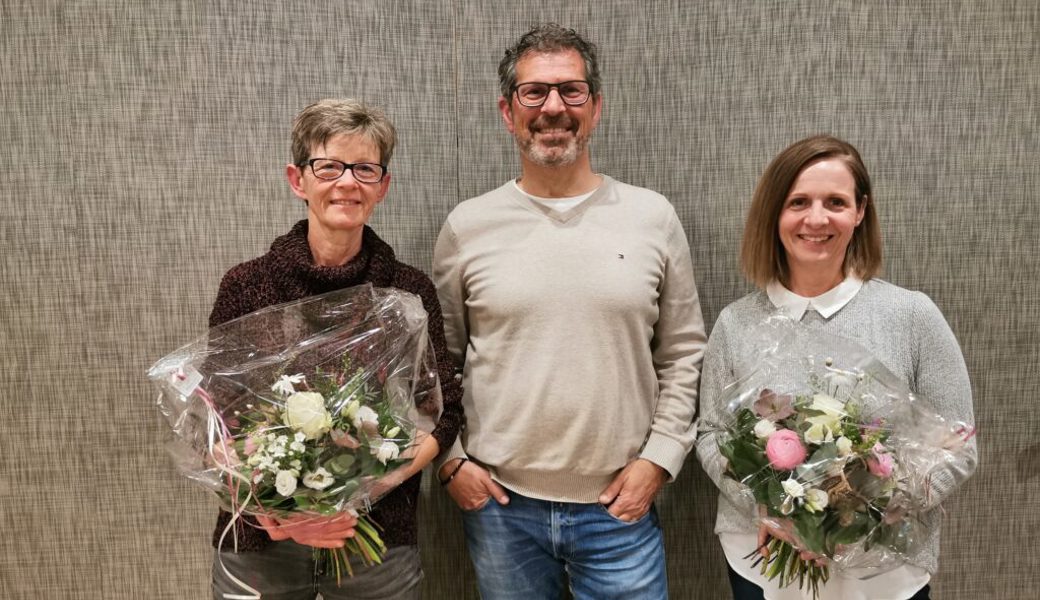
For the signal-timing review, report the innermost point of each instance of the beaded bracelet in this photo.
(454, 472)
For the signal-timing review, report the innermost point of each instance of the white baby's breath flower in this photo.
(816, 500)
(386, 451)
(764, 428)
(285, 483)
(844, 446)
(793, 488)
(285, 383)
(318, 479)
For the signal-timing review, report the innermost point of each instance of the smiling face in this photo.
(553, 134)
(343, 205)
(818, 220)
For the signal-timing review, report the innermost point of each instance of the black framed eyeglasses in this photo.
(534, 93)
(331, 169)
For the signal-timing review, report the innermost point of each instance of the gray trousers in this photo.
(287, 571)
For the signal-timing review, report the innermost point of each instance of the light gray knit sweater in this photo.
(903, 329)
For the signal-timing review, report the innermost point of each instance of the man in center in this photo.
(569, 301)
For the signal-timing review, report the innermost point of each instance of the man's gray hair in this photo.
(548, 39)
(331, 117)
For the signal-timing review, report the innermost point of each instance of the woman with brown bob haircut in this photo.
(812, 245)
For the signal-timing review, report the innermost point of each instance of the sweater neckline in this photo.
(560, 216)
(291, 253)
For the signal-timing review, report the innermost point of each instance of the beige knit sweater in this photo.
(580, 333)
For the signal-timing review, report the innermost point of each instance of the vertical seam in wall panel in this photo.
(458, 128)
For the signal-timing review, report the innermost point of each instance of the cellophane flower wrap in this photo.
(309, 407)
(824, 444)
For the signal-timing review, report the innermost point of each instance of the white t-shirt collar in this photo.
(826, 303)
(557, 204)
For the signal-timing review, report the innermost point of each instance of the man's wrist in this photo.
(454, 471)
(449, 468)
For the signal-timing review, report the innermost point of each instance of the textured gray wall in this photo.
(143, 147)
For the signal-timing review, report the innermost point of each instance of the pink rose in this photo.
(785, 450)
(881, 463)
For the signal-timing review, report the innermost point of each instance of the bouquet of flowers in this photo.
(836, 454)
(306, 407)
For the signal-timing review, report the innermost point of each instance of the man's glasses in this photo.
(535, 93)
(331, 170)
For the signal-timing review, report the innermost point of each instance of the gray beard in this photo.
(555, 156)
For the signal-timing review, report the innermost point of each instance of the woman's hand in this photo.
(767, 530)
(310, 530)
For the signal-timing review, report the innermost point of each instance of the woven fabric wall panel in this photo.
(145, 148)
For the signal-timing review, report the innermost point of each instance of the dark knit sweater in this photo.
(287, 272)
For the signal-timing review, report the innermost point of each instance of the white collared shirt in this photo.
(826, 303)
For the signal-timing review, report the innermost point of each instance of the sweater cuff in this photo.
(664, 452)
(455, 451)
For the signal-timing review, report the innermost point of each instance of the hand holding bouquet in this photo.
(836, 454)
(306, 410)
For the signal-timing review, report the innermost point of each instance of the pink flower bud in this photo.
(785, 450)
(881, 463)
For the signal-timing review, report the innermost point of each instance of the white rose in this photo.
(816, 500)
(386, 451)
(305, 412)
(793, 488)
(317, 480)
(844, 445)
(764, 428)
(365, 416)
(285, 483)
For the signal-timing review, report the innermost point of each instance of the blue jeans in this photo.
(527, 549)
